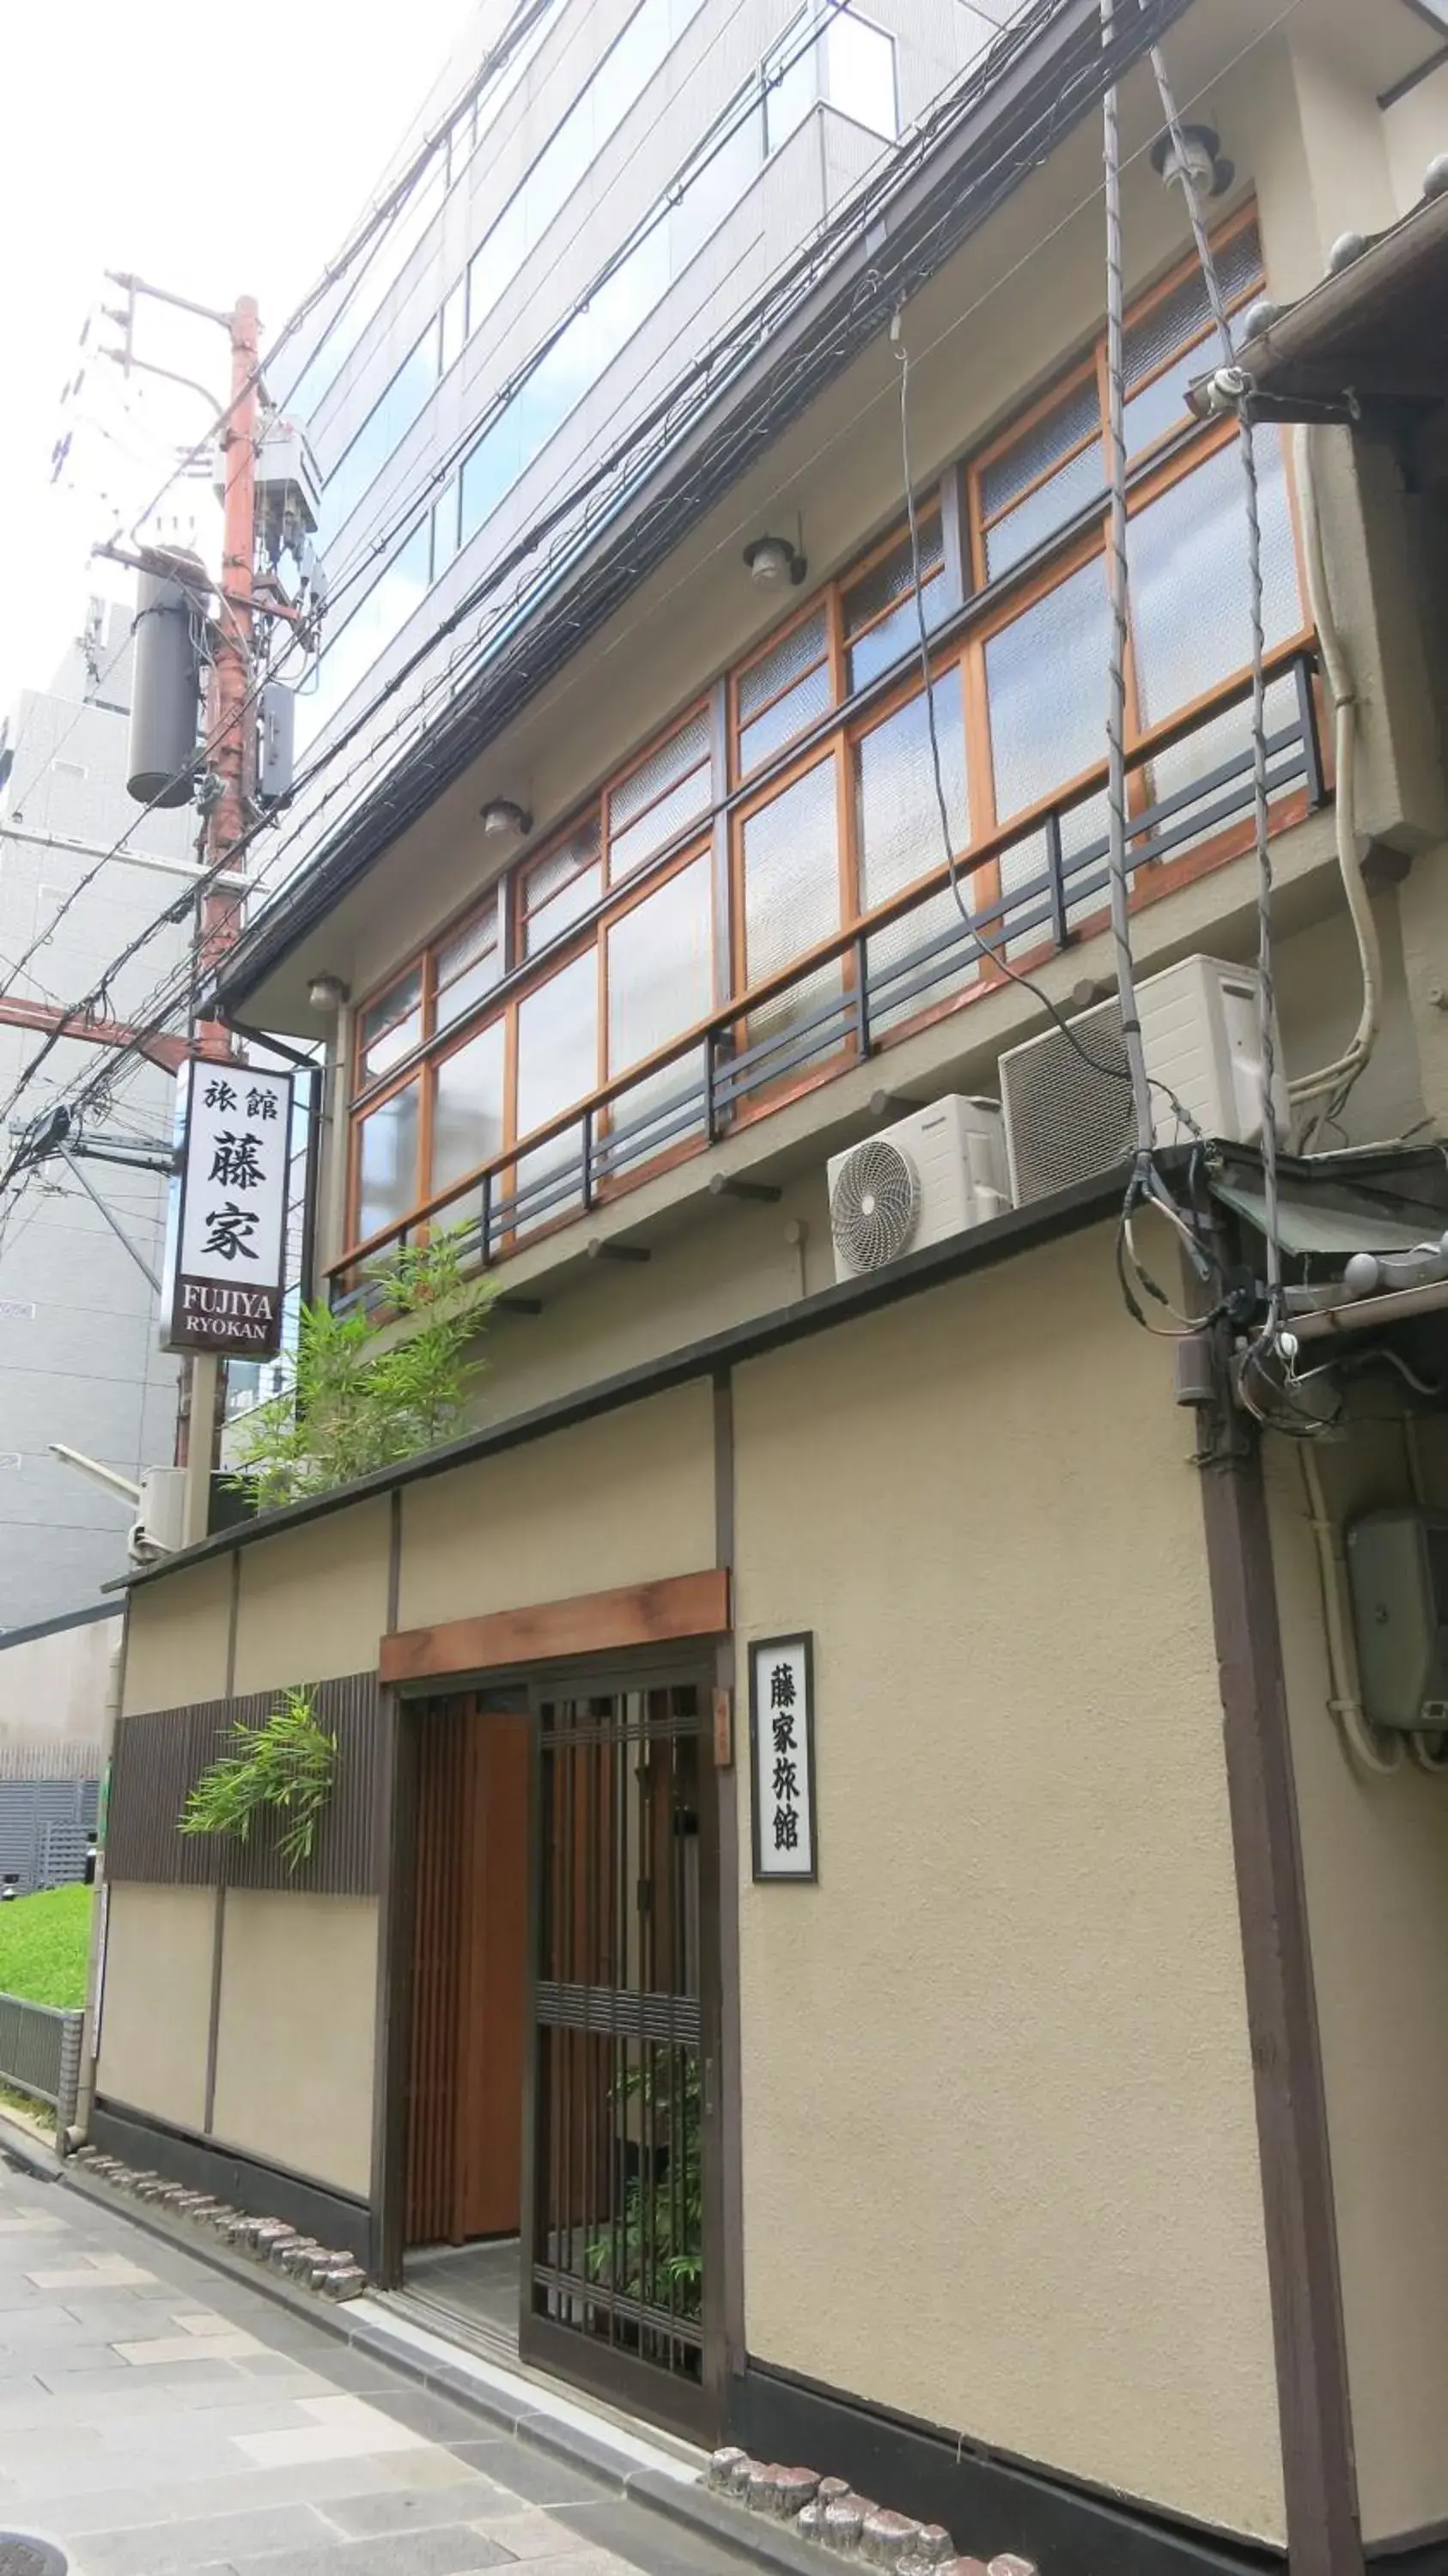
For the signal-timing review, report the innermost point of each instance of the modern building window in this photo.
(831, 766)
(835, 57)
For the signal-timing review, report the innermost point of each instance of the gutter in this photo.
(937, 206)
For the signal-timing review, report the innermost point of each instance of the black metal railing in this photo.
(839, 1002)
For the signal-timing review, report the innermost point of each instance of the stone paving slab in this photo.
(158, 2418)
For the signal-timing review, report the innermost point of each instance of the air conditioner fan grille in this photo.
(875, 1205)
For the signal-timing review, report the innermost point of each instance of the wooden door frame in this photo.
(617, 2377)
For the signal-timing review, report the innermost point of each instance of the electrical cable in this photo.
(741, 112)
(1252, 517)
(1359, 1735)
(498, 572)
(1116, 585)
(382, 214)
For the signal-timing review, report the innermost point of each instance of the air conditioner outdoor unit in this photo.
(929, 1176)
(1068, 1105)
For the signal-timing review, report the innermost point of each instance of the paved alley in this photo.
(158, 2418)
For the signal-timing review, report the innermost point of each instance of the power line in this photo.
(497, 572)
(528, 545)
(493, 62)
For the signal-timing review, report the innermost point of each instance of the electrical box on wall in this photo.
(1397, 1564)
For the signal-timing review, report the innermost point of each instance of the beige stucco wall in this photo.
(176, 1638)
(314, 1600)
(627, 1498)
(157, 2001)
(295, 2036)
(1375, 1854)
(1000, 2165)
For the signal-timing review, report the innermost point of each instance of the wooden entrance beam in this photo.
(594, 1623)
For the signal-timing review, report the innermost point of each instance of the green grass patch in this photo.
(45, 1944)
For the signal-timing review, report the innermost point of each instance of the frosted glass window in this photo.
(785, 690)
(660, 967)
(468, 965)
(1181, 322)
(387, 1163)
(1043, 478)
(558, 1042)
(1045, 445)
(660, 980)
(886, 595)
(467, 1107)
(392, 1027)
(791, 895)
(1188, 578)
(898, 821)
(561, 887)
(557, 1064)
(859, 72)
(1046, 690)
(895, 799)
(659, 798)
(1184, 315)
(1043, 511)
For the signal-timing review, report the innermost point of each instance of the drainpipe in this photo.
(334, 1231)
(79, 2129)
(1299, 2213)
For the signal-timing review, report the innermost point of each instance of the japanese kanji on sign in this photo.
(231, 1233)
(781, 1756)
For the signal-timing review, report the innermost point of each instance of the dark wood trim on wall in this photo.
(595, 1623)
(394, 1557)
(990, 2503)
(731, 2117)
(233, 1618)
(335, 2218)
(159, 1755)
(1319, 2479)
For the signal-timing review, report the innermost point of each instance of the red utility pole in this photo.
(230, 729)
(231, 733)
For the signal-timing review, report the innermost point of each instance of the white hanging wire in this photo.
(1145, 1186)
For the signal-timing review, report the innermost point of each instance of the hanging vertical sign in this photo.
(781, 1756)
(232, 1224)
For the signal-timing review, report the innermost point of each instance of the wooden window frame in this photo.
(955, 501)
(739, 723)
(1092, 361)
(620, 778)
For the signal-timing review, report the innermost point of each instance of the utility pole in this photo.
(230, 735)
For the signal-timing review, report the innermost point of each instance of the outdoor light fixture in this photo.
(1199, 161)
(326, 993)
(774, 563)
(505, 821)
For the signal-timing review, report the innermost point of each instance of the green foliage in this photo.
(44, 1946)
(654, 2251)
(356, 1406)
(288, 1766)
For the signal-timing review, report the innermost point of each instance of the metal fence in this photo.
(40, 2055)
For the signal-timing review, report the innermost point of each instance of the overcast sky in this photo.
(215, 151)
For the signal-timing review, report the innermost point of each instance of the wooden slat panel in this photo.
(159, 1756)
(595, 1623)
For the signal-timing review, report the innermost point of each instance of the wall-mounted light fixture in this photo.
(1199, 161)
(503, 820)
(775, 564)
(326, 993)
